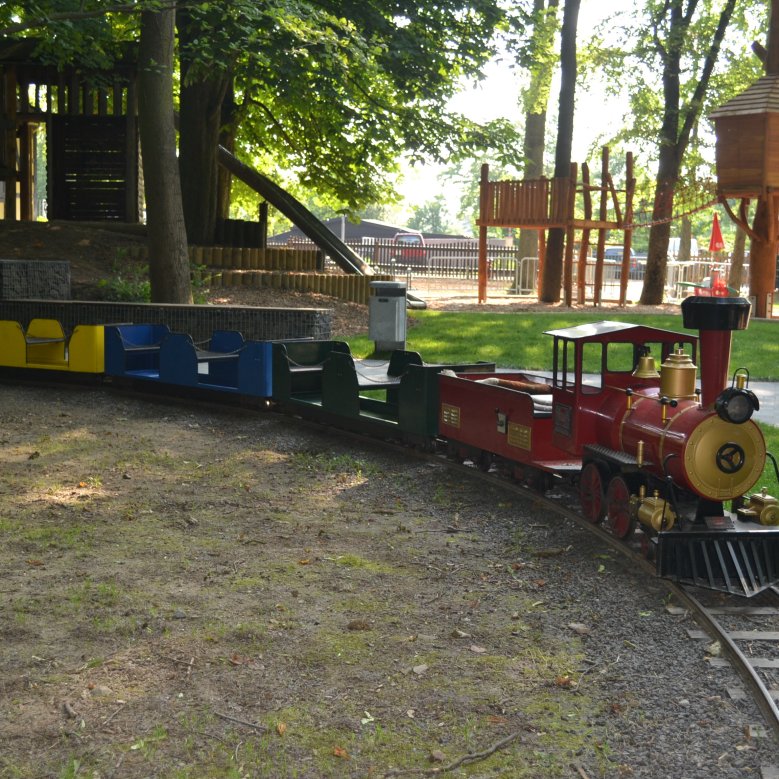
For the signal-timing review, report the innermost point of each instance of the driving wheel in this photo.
(591, 495)
(619, 516)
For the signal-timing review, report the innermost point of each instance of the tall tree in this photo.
(671, 24)
(539, 57)
(167, 240)
(553, 264)
(337, 91)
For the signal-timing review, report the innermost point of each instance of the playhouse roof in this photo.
(762, 97)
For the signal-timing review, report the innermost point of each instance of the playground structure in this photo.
(747, 129)
(543, 204)
(92, 174)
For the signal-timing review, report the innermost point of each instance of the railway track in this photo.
(734, 632)
(746, 637)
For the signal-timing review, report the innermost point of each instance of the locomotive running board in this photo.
(741, 561)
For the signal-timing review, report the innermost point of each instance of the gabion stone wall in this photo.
(255, 323)
(39, 279)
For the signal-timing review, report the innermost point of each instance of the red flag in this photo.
(716, 244)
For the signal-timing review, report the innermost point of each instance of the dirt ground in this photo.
(197, 592)
(192, 591)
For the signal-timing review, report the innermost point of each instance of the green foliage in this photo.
(632, 45)
(127, 282)
(338, 93)
(432, 217)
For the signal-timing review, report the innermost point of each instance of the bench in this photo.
(344, 379)
(228, 363)
(134, 350)
(297, 367)
(45, 345)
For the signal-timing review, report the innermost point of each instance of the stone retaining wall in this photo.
(255, 323)
(43, 279)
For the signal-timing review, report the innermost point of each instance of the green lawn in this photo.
(517, 340)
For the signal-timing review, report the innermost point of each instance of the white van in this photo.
(673, 248)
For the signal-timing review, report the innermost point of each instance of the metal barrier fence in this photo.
(455, 258)
(459, 259)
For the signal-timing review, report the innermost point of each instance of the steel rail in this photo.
(740, 661)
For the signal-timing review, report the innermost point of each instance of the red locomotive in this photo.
(623, 415)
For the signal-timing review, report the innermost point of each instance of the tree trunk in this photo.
(736, 277)
(533, 149)
(762, 260)
(168, 254)
(685, 240)
(227, 140)
(535, 100)
(553, 263)
(660, 232)
(200, 119)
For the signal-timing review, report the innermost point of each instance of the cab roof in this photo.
(618, 331)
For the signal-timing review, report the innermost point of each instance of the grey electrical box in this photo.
(387, 315)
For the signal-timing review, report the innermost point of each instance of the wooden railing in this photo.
(540, 203)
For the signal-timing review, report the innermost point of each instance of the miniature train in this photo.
(621, 416)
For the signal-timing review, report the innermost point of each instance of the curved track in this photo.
(758, 672)
(753, 653)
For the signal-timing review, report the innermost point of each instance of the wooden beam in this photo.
(584, 248)
(483, 205)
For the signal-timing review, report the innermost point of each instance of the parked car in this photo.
(410, 249)
(612, 261)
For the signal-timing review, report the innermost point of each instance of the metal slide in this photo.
(298, 214)
(346, 259)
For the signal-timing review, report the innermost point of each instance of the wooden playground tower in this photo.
(543, 204)
(747, 130)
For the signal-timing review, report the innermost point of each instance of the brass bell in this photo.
(646, 368)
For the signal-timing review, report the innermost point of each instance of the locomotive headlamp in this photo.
(736, 405)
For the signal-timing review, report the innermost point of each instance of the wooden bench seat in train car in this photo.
(344, 380)
(297, 368)
(228, 363)
(134, 350)
(508, 414)
(44, 345)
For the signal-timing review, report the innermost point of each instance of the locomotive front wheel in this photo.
(591, 495)
(619, 517)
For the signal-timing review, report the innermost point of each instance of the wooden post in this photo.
(26, 166)
(597, 297)
(483, 195)
(570, 234)
(541, 258)
(132, 177)
(627, 240)
(581, 278)
(8, 157)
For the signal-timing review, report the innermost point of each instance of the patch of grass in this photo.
(331, 463)
(517, 340)
(355, 561)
